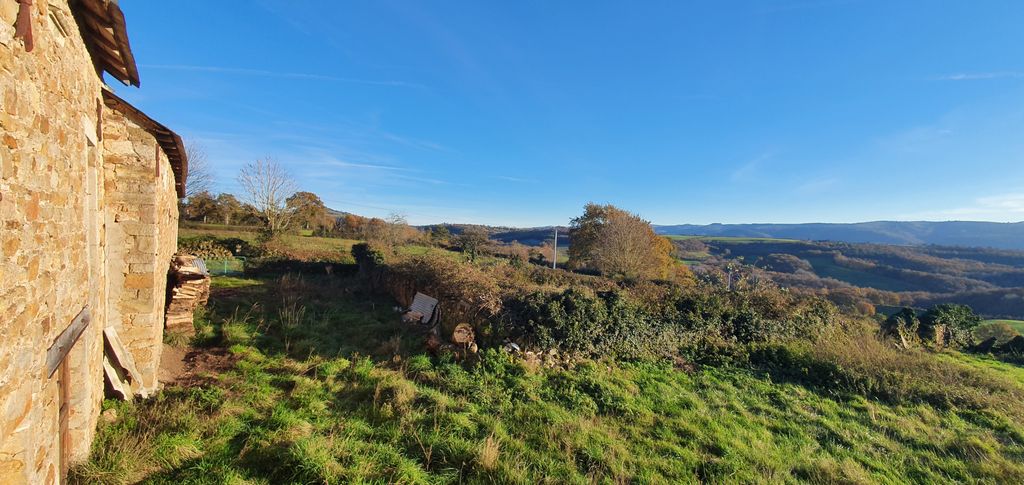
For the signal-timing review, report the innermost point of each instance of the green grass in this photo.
(296, 241)
(1017, 325)
(231, 266)
(328, 387)
(233, 282)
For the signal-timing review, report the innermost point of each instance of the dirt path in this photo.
(190, 366)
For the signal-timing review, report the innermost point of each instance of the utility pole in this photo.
(554, 252)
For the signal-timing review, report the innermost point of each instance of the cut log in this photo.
(463, 334)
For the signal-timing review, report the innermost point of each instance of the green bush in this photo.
(945, 325)
(572, 320)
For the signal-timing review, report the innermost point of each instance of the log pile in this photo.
(191, 290)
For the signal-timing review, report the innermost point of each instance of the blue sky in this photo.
(518, 113)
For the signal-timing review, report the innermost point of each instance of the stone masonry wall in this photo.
(141, 220)
(51, 239)
(58, 254)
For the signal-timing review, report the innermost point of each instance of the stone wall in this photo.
(142, 220)
(54, 241)
(51, 266)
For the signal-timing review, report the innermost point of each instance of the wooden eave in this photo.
(102, 26)
(168, 140)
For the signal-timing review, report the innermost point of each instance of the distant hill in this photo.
(973, 234)
(530, 236)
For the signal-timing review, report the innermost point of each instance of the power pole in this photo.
(554, 252)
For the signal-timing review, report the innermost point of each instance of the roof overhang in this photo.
(101, 23)
(168, 140)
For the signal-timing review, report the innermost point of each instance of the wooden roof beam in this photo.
(124, 48)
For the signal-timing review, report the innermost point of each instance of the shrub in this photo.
(945, 325)
(471, 292)
(573, 320)
(367, 257)
(1000, 331)
(856, 362)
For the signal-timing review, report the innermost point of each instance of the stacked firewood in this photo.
(191, 290)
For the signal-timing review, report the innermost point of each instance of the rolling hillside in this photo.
(973, 234)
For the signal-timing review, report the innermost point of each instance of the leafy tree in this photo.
(945, 325)
(956, 321)
(904, 326)
(309, 211)
(248, 216)
(585, 233)
(620, 244)
(350, 225)
(440, 235)
(229, 208)
(518, 254)
(200, 207)
(373, 229)
(472, 240)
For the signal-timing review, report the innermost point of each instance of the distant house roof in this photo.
(169, 141)
(101, 23)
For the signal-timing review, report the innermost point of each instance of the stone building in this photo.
(88, 225)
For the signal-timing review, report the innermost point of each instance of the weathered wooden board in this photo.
(66, 340)
(116, 380)
(121, 357)
(423, 305)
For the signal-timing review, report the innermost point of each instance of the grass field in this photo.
(295, 240)
(1017, 325)
(328, 387)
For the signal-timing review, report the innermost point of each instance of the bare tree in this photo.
(266, 186)
(200, 173)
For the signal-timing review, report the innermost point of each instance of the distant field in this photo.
(738, 240)
(825, 267)
(249, 234)
(1017, 325)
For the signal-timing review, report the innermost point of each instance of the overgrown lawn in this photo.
(329, 388)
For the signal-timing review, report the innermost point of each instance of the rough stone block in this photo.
(139, 280)
(138, 229)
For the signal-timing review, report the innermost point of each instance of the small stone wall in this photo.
(142, 227)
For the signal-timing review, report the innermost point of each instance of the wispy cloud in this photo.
(1012, 203)
(412, 142)
(818, 185)
(1007, 207)
(750, 168)
(281, 74)
(514, 179)
(344, 164)
(978, 76)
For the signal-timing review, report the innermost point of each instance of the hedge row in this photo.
(591, 316)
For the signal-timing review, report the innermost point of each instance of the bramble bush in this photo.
(591, 316)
